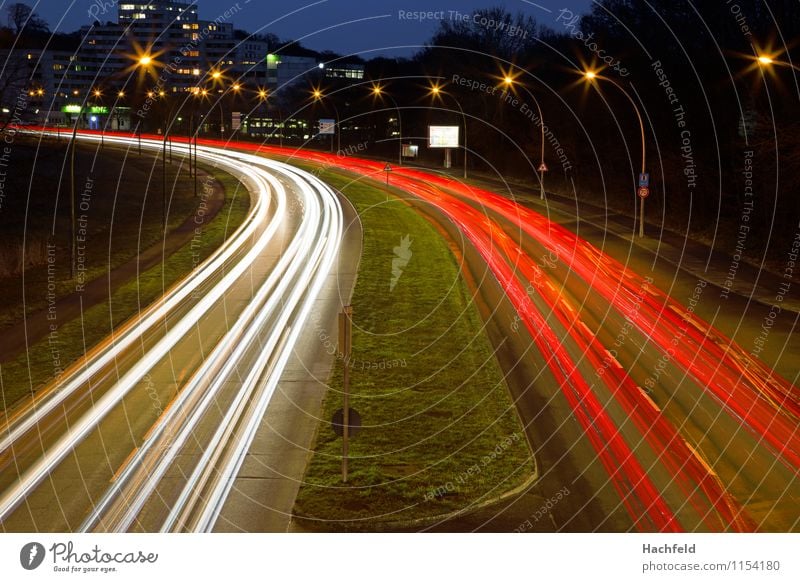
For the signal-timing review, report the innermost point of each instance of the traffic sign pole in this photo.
(641, 217)
(643, 192)
(345, 347)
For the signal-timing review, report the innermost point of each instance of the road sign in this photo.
(387, 168)
(543, 167)
(327, 126)
(644, 182)
(644, 192)
(236, 121)
(353, 422)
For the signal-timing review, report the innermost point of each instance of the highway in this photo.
(664, 416)
(150, 430)
(647, 412)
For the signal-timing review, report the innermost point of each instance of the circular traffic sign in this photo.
(354, 422)
(644, 192)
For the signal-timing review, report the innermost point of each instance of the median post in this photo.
(345, 347)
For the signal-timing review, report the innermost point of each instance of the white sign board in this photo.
(443, 136)
(327, 126)
(236, 121)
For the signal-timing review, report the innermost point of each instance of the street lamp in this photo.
(510, 83)
(378, 92)
(591, 77)
(318, 96)
(436, 92)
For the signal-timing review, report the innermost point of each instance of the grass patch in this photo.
(440, 431)
(29, 371)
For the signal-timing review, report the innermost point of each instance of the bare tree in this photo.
(21, 17)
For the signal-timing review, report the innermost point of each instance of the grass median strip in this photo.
(439, 429)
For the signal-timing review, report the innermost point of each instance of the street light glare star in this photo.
(145, 60)
(765, 60)
(590, 75)
(508, 80)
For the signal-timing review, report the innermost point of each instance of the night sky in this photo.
(383, 31)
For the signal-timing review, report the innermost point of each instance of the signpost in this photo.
(236, 121)
(542, 170)
(345, 348)
(388, 170)
(643, 192)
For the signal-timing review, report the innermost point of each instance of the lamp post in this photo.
(437, 92)
(98, 95)
(592, 77)
(144, 62)
(318, 96)
(377, 91)
(509, 82)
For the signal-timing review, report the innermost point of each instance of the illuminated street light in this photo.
(378, 92)
(510, 83)
(146, 60)
(591, 78)
(765, 60)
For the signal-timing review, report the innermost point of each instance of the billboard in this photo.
(327, 126)
(443, 136)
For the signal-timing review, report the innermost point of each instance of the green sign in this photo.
(94, 109)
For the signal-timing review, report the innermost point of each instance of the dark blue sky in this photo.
(353, 25)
